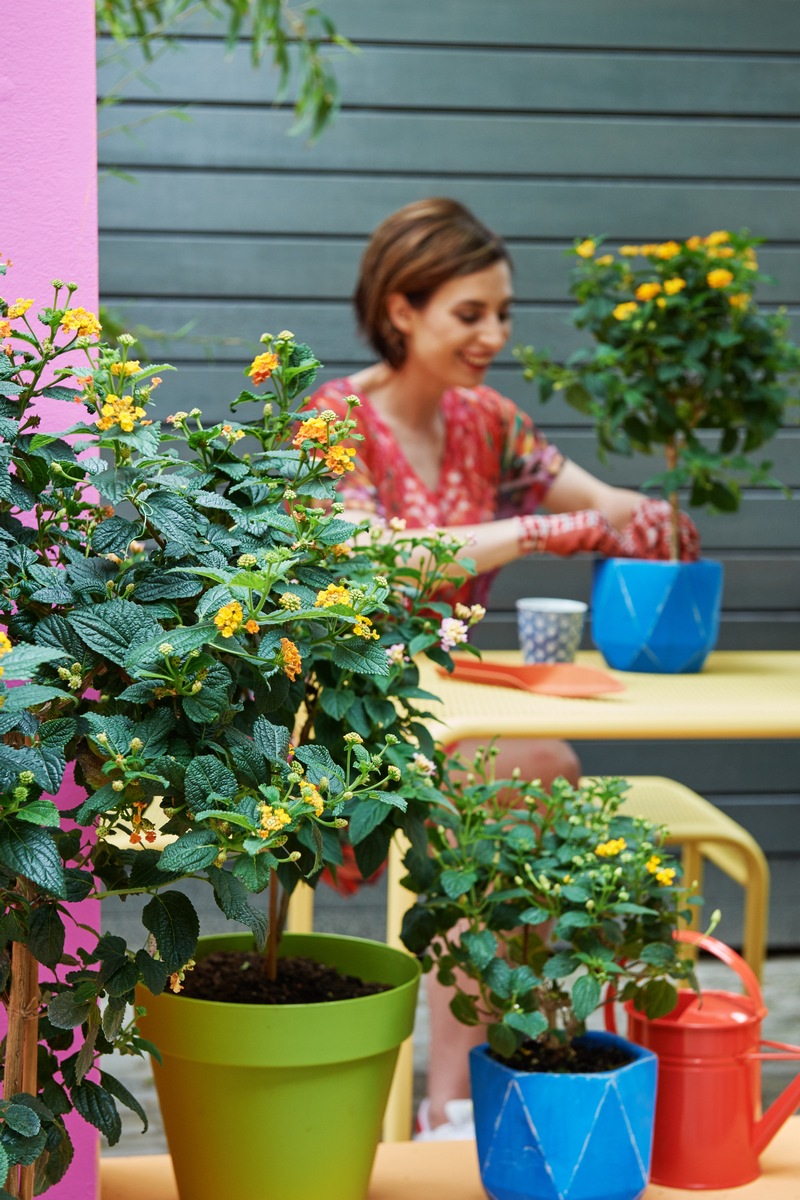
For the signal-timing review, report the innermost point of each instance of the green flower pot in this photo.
(281, 1101)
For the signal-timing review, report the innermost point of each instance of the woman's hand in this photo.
(568, 533)
(647, 534)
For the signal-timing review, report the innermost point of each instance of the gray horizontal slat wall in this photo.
(640, 122)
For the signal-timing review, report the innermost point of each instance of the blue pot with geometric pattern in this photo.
(656, 617)
(547, 1136)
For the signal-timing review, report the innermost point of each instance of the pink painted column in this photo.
(48, 228)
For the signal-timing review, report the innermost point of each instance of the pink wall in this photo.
(48, 228)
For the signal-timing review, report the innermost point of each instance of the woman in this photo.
(434, 301)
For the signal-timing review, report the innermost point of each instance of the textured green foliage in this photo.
(542, 905)
(228, 684)
(682, 362)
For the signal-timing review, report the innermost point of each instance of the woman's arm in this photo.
(493, 544)
(574, 489)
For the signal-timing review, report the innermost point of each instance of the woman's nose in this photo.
(494, 334)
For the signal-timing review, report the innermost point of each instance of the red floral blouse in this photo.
(495, 464)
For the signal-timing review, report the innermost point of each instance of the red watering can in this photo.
(709, 1130)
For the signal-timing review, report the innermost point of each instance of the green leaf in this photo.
(114, 536)
(58, 732)
(28, 695)
(500, 978)
(481, 947)
(207, 776)
(364, 659)
(40, 812)
(657, 998)
(457, 882)
(97, 1106)
(254, 871)
(67, 1010)
(585, 996)
(23, 661)
(559, 965)
(191, 852)
(271, 740)
(320, 766)
(22, 1120)
(534, 916)
(121, 1093)
(531, 1024)
(658, 954)
(46, 935)
(111, 628)
(502, 1040)
(173, 922)
(464, 1009)
(153, 972)
(30, 851)
(366, 817)
(231, 896)
(336, 702)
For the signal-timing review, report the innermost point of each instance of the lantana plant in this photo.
(542, 900)
(223, 662)
(683, 361)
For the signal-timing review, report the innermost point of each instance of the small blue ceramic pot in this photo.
(656, 617)
(565, 1137)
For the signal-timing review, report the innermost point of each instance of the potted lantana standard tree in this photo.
(684, 364)
(195, 632)
(540, 906)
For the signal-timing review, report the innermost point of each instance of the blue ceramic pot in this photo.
(656, 617)
(565, 1137)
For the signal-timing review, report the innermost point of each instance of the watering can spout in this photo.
(782, 1108)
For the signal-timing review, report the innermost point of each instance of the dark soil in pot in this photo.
(238, 978)
(577, 1059)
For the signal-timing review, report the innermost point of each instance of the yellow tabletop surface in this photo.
(738, 694)
(449, 1171)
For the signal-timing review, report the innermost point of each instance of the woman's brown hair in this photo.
(414, 251)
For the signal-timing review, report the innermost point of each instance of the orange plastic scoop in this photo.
(552, 679)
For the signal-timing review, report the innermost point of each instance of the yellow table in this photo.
(449, 1171)
(739, 694)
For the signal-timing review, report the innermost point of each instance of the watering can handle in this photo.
(713, 946)
(726, 955)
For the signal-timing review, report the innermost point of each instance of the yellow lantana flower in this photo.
(630, 251)
(5, 644)
(625, 310)
(84, 323)
(262, 367)
(125, 368)
(665, 877)
(586, 248)
(292, 662)
(229, 618)
(18, 308)
(120, 410)
(605, 261)
(333, 594)
(314, 429)
(272, 819)
(718, 237)
(610, 848)
(694, 242)
(739, 300)
(311, 795)
(5, 328)
(719, 278)
(667, 250)
(340, 459)
(673, 286)
(647, 291)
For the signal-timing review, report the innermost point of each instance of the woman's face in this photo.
(464, 324)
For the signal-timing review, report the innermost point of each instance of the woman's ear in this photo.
(399, 311)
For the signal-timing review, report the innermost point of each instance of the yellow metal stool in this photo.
(704, 832)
